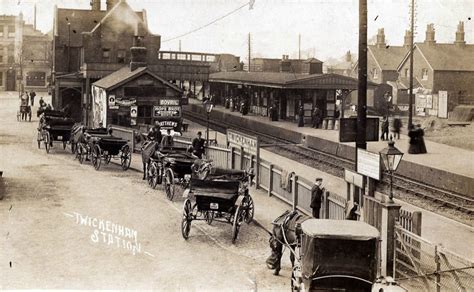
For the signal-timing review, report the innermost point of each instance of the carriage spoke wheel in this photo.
(170, 187)
(46, 139)
(96, 157)
(209, 217)
(125, 157)
(249, 209)
(152, 175)
(238, 219)
(187, 218)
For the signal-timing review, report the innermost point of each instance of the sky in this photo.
(328, 28)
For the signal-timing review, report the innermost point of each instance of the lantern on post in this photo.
(208, 106)
(391, 158)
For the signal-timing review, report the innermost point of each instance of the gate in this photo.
(423, 266)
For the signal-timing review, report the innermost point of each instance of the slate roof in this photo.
(448, 57)
(388, 58)
(125, 75)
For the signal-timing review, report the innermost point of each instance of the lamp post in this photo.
(391, 158)
(388, 99)
(208, 106)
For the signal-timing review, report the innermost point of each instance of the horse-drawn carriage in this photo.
(221, 195)
(98, 145)
(54, 126)
(173, 165)
(24, 113)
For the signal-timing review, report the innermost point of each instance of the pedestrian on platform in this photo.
(32, 97)
(316, 197)
(417, 142)
(198, 145)
(316, 117)
(384, 129)
(301, 117)
(397, 125)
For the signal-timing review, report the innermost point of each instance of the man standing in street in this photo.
(198, 145)
(32, 97)
(316, 197)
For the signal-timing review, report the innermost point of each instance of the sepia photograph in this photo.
(237, 145)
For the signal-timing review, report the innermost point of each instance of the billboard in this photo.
(348, 130)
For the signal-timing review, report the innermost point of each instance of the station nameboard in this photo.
(368, 163)
(348, 129)
(247, 142)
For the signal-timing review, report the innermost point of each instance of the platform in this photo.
(443, 166)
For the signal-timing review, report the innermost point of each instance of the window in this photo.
(11, 31)
(144, 114)
(121, 56)
(1, 78)
(407, 72)
(424, 74)
(106, 53)
(11, 60)
(375, 74)
(1, 30)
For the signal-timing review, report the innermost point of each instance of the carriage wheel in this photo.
(125, 157)
(152, 175)
(209, 217)
(170, 187)
(187, 219)
(160, 170)
(46, 139)
(96, 157)
(238, 219)
(249, 209)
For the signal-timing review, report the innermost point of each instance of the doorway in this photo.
(10, 84)
(71, 102)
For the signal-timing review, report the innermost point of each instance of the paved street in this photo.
(66, 225)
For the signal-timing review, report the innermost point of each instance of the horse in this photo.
(286, 230)
(148, 150)
(77, 132)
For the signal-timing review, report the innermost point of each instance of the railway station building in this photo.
(286, 91)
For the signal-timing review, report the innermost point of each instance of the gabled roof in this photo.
(125, 75)
(388, 58)
(288, 80)
(445, 57)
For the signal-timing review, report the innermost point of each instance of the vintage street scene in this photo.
(244, 145)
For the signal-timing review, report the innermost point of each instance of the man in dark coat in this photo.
(384, 129)
(155, 133)
(198, 145)
(32, 97)
(316, 197)
(316, 117)
(301, 117)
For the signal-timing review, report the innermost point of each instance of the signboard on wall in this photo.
(368, 163)
(166, 111)
(348, 130)
(111, 101)
(125, 102)
(238, 139)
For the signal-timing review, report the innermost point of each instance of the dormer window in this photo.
(424, 74)
(375, 74)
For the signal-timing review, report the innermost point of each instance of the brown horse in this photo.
(148, 150)
(286, 230)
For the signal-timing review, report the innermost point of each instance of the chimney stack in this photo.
(430, 34)
(381, 38)
(348, 56)
(95, 5)
(111, 3)
(460, 35)
(138, 51)
(407, 39)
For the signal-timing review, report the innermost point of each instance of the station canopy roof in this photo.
(288, 80)
(339, 229)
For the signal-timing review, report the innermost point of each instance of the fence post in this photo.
(232, 153)
(256, 168)
(270, 179)
(242, 157)
(390, 214)
(326, 196)
(294, 190)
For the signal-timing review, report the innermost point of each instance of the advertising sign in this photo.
(166, 111)
(133, 111)
(125, 102)
(169, 101)
(111, 101)
(348, 130)
(368, 163)
(168, 124)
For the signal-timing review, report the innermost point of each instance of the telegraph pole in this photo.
(249, 50)
(362, 84)
(299, 47)
(410, 97)
(180, 45)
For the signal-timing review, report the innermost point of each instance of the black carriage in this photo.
(54, 126)
(173, 165)
(222, 196)
(97, 145)
(25, 111)
(335, 255)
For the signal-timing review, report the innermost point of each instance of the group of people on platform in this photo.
(238, 103)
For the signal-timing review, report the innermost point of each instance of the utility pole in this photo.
(180, 45)
(68, 47)
(410, 97)
(362, 84)
(249, 50)
(299, 47)
(34, 17)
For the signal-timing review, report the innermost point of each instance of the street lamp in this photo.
(388, 99)
(208, 106)
(391, 158)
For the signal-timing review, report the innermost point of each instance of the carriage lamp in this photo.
(208, 106)
(391, 158)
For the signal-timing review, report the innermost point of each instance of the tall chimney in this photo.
(381, 38)
(138, 51)
(460, 35)
(111, 3)
(348, 56)
(430, 34)
(407, 38)
(95, 5)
